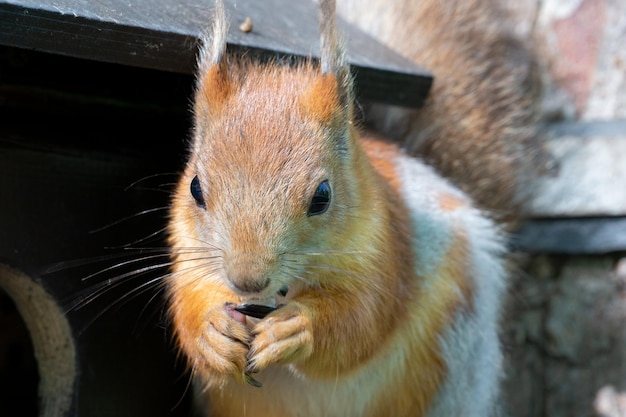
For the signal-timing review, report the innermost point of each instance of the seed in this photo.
(255, 310)
(246, 25)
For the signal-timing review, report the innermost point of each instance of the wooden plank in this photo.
(161, 34)
(595, 235)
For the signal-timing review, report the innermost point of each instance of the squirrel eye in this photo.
(321, 199)
(196, 191)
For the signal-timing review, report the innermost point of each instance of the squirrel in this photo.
(383, 279)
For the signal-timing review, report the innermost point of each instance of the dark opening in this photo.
(19, 376)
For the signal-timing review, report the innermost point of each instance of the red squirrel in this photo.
(384, 279)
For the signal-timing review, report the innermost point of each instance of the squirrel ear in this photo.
(321, 100)
(333, 60)
(213, 85)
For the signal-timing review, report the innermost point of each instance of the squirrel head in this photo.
(219, 75)
(271, 182)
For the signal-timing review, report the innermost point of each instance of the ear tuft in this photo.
(213, 81)
(333, 55)
(214, 40)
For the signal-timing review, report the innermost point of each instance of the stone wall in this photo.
(566, 325)
(566, 337)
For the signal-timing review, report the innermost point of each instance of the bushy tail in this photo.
(478, 125)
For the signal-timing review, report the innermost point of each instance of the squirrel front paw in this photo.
(223, 344)
(284, 336)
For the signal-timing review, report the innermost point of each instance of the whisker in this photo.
(122, 300)
(192, 372)
(312, 284)
(206, 244)
(149, 177)
(170, 249)
(147, 268)
(326, 252)
(167, 191)
(97, 290)
(372, 284)
(152, 299)
(110, 283)
(162, 251)
(140, 240)
(325, 267)
(292, 273)
(128, 256)
(130, 217)
(190, 249)
(310, 269)
(75, 263)
(130, 262)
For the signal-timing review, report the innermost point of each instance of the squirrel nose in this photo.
(249, 285)
(248, 273)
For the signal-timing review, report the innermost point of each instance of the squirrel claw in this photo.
(250, 380)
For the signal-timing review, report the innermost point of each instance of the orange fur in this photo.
(449, 202)
(433, 312)
(215, 88)
(382, 156)
(321, 100)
